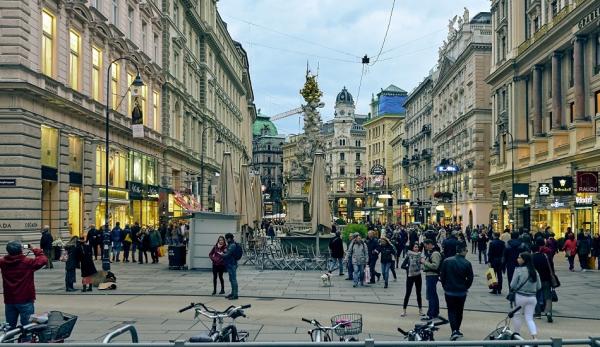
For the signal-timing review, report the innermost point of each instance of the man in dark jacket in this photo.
(17, 281)
(449, 245)
(456, 277)
(46, 245)
(372, 246)
(116, 236)
(513, 248)
(495, 256)
(93, 238)
(135, 230)
(231, 265)
(336, 248)
(584, 248)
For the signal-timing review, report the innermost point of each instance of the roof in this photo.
(344, 97)
(392, 90)
(263, 126)
(482, 18)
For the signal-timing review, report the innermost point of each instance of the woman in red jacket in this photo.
(570, 249)
(218, 265)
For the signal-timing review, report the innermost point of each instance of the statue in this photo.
(451, 29)
(459, 22)
(466, 15)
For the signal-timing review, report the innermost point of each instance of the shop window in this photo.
(96, 73)
(155, 110)
(117, 168)
(114, 84)
(150, 171)
(49, 147)
(75, 154)
(343, 202)
(75, 211)
(358, 202)
(341, 186)
(48, 29)
(129, 96)
(597, 102)
(75, 45)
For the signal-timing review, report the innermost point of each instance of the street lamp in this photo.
(202, 161)
(448, 165)
(136, 113)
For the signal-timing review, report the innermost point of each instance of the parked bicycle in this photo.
(217, 333)
(503, 330)
(53, 327)
(345, 326)
(423, 331)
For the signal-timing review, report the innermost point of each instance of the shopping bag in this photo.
(492, 280)
(367, 274)
(591, 263)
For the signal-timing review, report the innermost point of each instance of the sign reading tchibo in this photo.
(587, 182)
(562, 185)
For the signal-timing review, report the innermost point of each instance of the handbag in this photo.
(512, 293)
(405, 264)
(64, 255)
(554, 282)
(554, 295)
(492, 280)
(128, 238)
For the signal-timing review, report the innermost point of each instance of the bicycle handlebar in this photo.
(187, 307)
(513, 311)
(213, 311)
(306, 320)
(246, 306)
(402, 332)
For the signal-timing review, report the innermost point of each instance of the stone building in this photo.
(387, 111)
(53, 82)
(417, 161)
(345, 137)
(545, 92)
(267, 159)
(461, 121)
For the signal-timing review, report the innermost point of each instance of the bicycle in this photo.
(346, 326)
(423, 331)
(217, 333)
(502, 330)
(53, 327)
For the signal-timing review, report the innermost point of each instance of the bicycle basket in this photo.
(352, 324)
(59, 327)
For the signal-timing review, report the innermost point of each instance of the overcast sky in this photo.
(280, 36)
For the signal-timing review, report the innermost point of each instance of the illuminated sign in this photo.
(544, 189)
(446, 168)
(587, 182)
(562, 185)
(521, 190)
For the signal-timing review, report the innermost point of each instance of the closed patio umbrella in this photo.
(226, 192)
(320, 213)
(246, 207)
(257, 197)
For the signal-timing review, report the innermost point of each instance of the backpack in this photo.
(237, 252)
(474, 235)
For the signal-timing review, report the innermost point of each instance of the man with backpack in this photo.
(231, 256)
(431, 266)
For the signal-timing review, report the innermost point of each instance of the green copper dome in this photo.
(263, 126)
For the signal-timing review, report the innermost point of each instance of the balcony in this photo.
(426, 153)
(405, 162)
(426, 129)
(405, 143)
(415, 158)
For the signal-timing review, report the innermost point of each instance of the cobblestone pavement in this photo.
(150, 295)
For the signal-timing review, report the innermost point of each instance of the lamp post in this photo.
(202, 162)
(512, 174)
(135, 91)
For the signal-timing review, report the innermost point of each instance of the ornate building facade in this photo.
(461, 121)
(54, 80)
(545, 91)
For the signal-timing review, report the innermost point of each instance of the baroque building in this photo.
(545, 92)
(461, 121)
(55, 75)
(267, 159)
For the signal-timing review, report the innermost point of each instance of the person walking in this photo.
(18, 283)
(431, 266)
(135, 245)
(541, 263)
(218, 264)
(71, 263)
(231, 257)
(336, 248)
(127, 240)
(116, 237)
(474, 235)
(482, 241)
(388, 252)
(496, 258)
(46, 245)
(449, 245)
(143, 244)
(584, 248)
(93, 238)
(513, 248)
(155, 242)
(456, 276)
(596, 249)
(412, 265)
(349, 260)
(570, 249)
(505, 237)
(88, 268)
(526, 283)
(358, 255)
(372, 245)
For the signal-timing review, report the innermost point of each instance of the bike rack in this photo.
(122, 330)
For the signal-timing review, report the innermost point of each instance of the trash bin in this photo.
(177, 255)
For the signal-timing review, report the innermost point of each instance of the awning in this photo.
(187, 202)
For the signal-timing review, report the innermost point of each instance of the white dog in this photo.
(326, 278)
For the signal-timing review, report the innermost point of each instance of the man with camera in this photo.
(17, 281)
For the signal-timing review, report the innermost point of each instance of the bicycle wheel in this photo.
(495, 334)
(242, 335)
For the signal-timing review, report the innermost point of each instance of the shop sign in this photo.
(562, 185)
(583, 202)
(136, 190)
(544, 189)
(521, 190)
(587, 182)
(557, 204)
(446, 168)
(377, 170)
(7, 182)
(527, 201)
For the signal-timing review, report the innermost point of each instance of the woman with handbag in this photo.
(126, 243)
(412, 265)
(544, 269)
(570, 249)
(218, 264)
(524, 286)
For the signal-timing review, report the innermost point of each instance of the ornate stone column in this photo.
(537, 100)
(578, 78)
(557, 118)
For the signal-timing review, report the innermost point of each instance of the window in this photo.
(96, 70)
(48, 27)
(155, 109)
(268, 159)
(341, 186)
(130, 20)
(75, 44)
(176, 65)
(357, 156)
(114, 84)
(571, 67)
(358, 171)
(143, 98)
(176, 14)
(75, 154)
(342, 170)
(115, 12)
(597, 55)
(357, 143)
(597, 102)
(155, 48)
(144, 37)
(572, 111)
(49, 147)
(342, 142)
(129, 96)
(342, 156)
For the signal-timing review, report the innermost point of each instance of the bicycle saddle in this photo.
(201, 338)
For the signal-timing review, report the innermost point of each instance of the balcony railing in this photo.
(426, 153)
(405, 162)
(426, 129)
